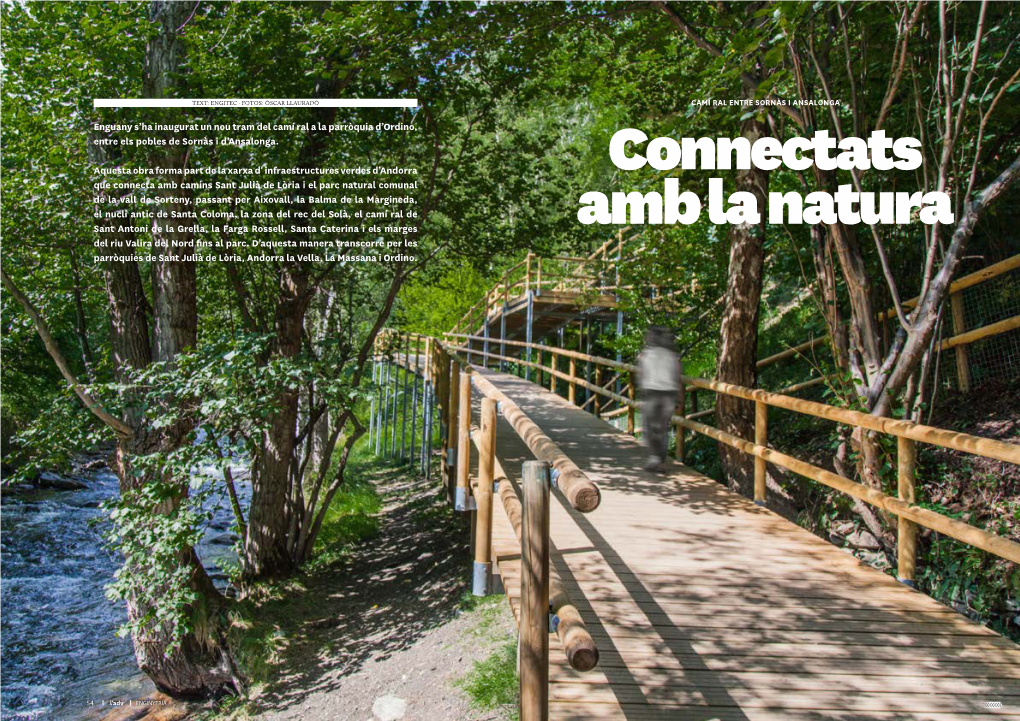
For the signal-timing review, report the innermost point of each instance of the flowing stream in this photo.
(60, 649)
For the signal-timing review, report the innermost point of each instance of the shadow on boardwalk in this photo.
(706, 606)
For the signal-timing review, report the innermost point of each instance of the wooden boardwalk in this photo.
(706, 606)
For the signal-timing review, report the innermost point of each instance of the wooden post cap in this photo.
(582, 493)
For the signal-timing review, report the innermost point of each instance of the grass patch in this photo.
(493, 684)
(353, 516)
(487, 611)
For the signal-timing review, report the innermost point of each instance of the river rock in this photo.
(389, 708)
(61, 483)
(864, 540)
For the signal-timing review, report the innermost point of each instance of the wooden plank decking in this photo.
(706, 606)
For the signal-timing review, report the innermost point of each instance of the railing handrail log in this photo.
(557, 373)
(580, 491)
(581, 651)
(1002, 326)
(792, 351)
(987, 447)
(976, 278)
(959, 530)
(567, 353)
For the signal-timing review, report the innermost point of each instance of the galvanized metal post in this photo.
(371, 405)
(502, 339)
(380, 440)
(393, 414)
(527, 331)
(414, 419)
(619, 332)
(426, 427)
(587, 365)
(403, 420)
(485, 344)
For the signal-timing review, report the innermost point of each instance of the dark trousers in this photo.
(656, 411)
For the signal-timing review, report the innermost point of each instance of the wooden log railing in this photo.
(564, 273)
(903, 506)
(545, 605)
(578, 489)
(961, 337)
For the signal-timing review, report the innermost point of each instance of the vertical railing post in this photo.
(534, 638)
(597, 403)
(453, 434)
(396, 400)
(482, 573)
(371, 405)
(587, 363)
(413, 447)
(502, 339)
(403, 420)
(485, 344)
(619, 334)
(571, 386)
(630, 408)
(538, 275)
(430, 413)
(959, 326)
(381, 408)
(443, 399)
(528, 333)
(761, 420)
(527, 273)
(463, 456)
(680, 451)
(385, 435)
(538, 371)
(906, 457)
(426, 399)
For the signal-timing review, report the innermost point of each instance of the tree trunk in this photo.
(200, 664)
(267, 548)
(738, 336)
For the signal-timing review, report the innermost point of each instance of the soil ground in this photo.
(392, 623)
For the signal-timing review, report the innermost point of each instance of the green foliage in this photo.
(493, 684)
(432, 306)
(971, 580)
(153, 578)
(352, 516)
(51, 439)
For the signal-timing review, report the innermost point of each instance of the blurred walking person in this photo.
(659, 385)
